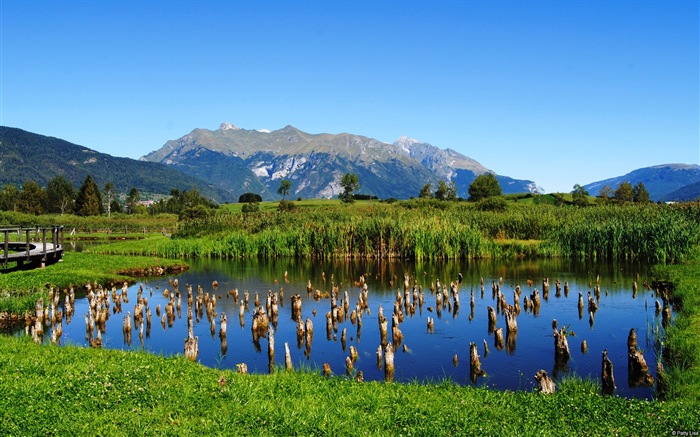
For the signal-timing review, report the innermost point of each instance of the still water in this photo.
(427, 356)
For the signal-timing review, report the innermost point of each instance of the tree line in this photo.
(61, 197)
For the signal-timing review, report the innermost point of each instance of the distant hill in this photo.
(668, 182)
(28, 156)
(239, 160)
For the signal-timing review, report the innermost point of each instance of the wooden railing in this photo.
(39, 251)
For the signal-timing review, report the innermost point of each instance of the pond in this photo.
(424, 354)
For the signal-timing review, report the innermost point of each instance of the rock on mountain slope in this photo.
(664, 182)
(28, 156)
(240, 160)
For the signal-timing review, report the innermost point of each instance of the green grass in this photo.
(428, 229)
(682, 342)
(19, 290)
(76, 391)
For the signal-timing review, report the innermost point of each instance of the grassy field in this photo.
(76, 391)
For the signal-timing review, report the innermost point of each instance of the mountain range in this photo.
(224, 163)
(669, 182)
(241, 160)
(26, 156)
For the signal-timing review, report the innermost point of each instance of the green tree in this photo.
(579, 195)
(606, 193)
(640, 193)
(285, 186)
(132, 199)
(350, 183)
(89, 200)
(8, 198)
(445, 191)
(31, 199)
(109, 197)
(60, 195)
(624, 192)
(249, 197)
(483, 186)
(115, 206)
(426, 192)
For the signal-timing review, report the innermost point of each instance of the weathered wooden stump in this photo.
(492, 319)
(637, 369)
(389, 363)
(287, 358)
(545, 384)
(475, 370)
(607, 377)
(498, 339)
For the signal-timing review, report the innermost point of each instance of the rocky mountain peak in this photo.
(228, 126)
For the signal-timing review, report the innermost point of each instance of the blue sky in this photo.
(559, 92)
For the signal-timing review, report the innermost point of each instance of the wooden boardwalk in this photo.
(46, 248)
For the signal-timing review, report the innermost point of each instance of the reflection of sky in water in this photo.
(429, 355)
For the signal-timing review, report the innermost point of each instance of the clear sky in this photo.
(559, 92)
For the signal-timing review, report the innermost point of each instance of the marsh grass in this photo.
(69, 390)
(435, 230)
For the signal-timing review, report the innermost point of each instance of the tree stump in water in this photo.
(389, 363)
(607, 374)
(632, 339)
(474, 364)
(492, 319)
(545, 384)
(498, 339)
(637, 369)
(287, 358)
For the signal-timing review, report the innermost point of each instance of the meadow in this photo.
(118, 393)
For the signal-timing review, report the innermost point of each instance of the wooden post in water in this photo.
(287, 358)
(474, 364)
(607, 374)
(389, 363)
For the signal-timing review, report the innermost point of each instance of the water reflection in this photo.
(400, 321)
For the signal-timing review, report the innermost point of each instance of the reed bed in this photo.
(653, 233)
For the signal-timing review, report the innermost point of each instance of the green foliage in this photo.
(132, 200)
(483, 186)
(249, 197)
(60, 196)
(426, 192)
(286, 205)
(606, 193)
(492, 203)
(285, 187)
(350, 183)
(640, 193)
(28, 152)
(89, 200)
(579, 195)
(31, 199)
(9, 197)
(624, 192)
(446, 192)
(250, 207)
(186, 203)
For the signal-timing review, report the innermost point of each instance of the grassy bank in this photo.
(20, 290)
(68, 391)
(682, 343)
